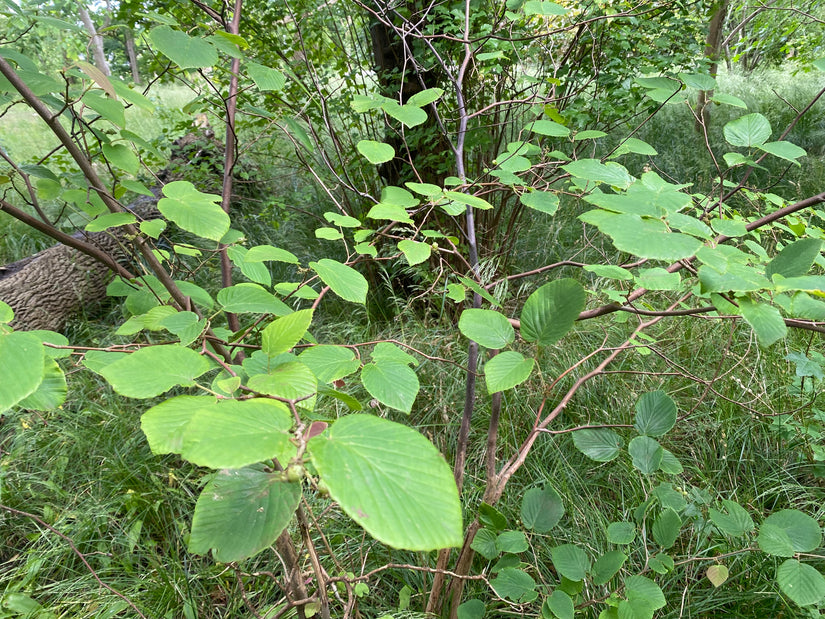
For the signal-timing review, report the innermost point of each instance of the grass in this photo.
(86, 469)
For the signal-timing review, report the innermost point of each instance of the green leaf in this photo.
(726, 99)
(543, 7)
(635, 145)
(514, 584)
(666, 528)
(609, 271)
(595, 171)
(262, 253)
(122, 157)
(425, 97)
(548, 128)
(801, 582)
(749, 130)
(471, 609)
(735, 522)
(6, 313)
(541, 509)
(375, 152)
(506, 370)
(22, 359)
(392, 383)
(154, 370)
(487, 327)
(241, 512)
(329, 363)
(796, 259)
(643, 237)
(775, 541)
(621, 532)
(717, 575)
(550, 312)
(330, 234)
(607, 566)
(110, 109)
(600, 444)
(194, 211)
(408, 115)
(185, 51)
(393, 212)
(50, 393)
(265, 78)
(153, 227)
(670, 463)
(658, 278)
(560, 605)
(729, 227)
(590, 134)
(655, 414)
(344, 281)
(765, 320)
(512, 541)
(291, 380)
(387, 351)
(390, 480)
(646, 454)
(639, 588)
(542, 201)
(252, 298)
(570, 561)
(484, 543)
(469, 200)
(414, 251)
(803, 531)
(282, 334)
(784, 150)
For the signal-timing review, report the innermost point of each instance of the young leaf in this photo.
(344, 281)
(717, 575)
(390, 480)
(241, 512)
(414, 251)
(487, 327)
(265, 78)
(282, 334)
(800, 582)
(541, 509)
(154, 370)
(600, 444)
(506, 370)
(655, 414)
(570, 561)
(550, 312)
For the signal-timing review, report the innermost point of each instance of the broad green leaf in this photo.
(699, 81)
(560, 605)
(344, 221)
(749, 130)
(635, 145)
(803, 531)
(414, 251)
(729, 227)
(514, 584)
(392, 383)
(350, 402)
(784, 150)
(512, 541)
(658, 278)
(344, 281)
(425, 189)
(775, 541)
(541, 509)
(110, 109)
(487, 327)
(408, 115)
(393, 212)
(122, 157)
(22, 359)
(542, 201)
(330, 234)
(548, 128)
(543, 7)
(387, 351)
(50, 393)
(474, 286)
(425, 97)
(668, 496)
(265, 78)
(256, 271)
(484, 543)
(471, 609)
(609, 271)
(644, 589)
(246, 297)
(151, 320)
(589, 134)
(717, 575)
(261, 253)
(655, 414)
(646, 454)
(642, 236)
(6, 313)
(550, 312)
(801, 582)
(282, 334)
(595, 171)
(491, 517)
(296, 290)
(194, 211)
(796, 259)
(390, 480)
(291, 380)
(765, 320)
(469, 200)
(666, 528)
(621, 532)
(735, 522)
(329, 363)
(607, 566)
(375, 152)
(726, 99)
(570, 561)
(185, 51)
(153, 227)
(600, 444)
(241, 512)
(154, 370)
(506, 370)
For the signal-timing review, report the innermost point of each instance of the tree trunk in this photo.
(712, 48)
(96, 41)
(131, 54)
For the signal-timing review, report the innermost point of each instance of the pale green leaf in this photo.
(375, 152)
(265, 78)
(765, 320)
(570, 561)
(506, 370)
(154, 370)
(487, 327)
(344, 281)
(414, 251)
(252, 298)
(185, 51)
(550, 312)
(655, 413)
(392, 383)
(194, 211)
(749, 130)
(646, 454)
(282, 334)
